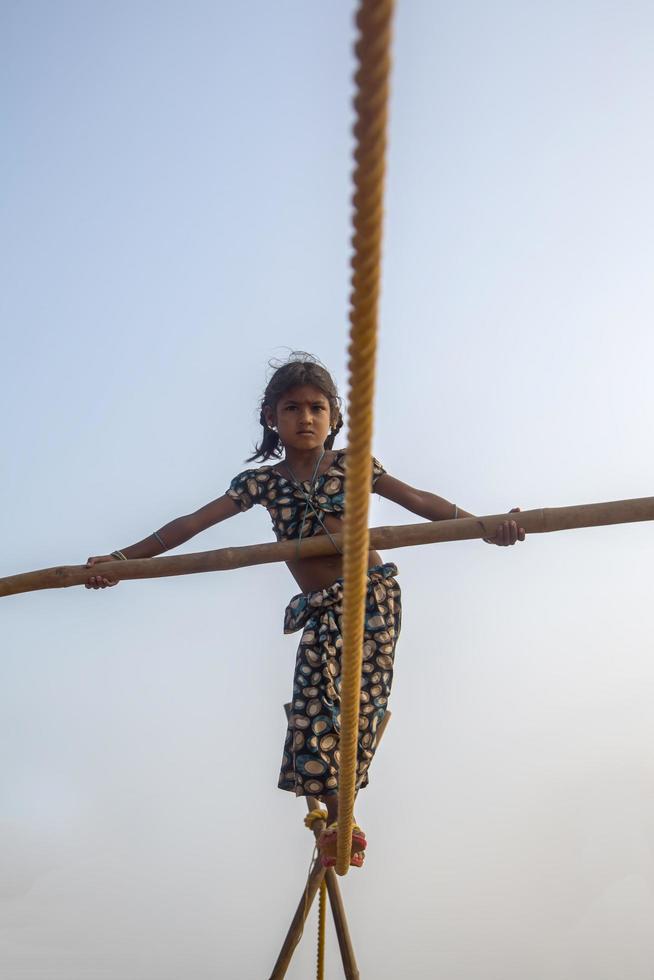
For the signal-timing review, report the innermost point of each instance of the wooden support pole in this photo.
(381, 538)
(296, 928)
(345, 945)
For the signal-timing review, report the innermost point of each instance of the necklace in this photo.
(312, 482)
(308, 501)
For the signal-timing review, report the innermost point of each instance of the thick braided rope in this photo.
(370, 102)
(320, 968)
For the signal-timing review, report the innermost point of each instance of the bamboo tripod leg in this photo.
(350, 967)
(296, 928)
(294, 933)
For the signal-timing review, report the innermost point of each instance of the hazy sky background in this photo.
(175, 187)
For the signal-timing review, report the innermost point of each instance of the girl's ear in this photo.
(269, 416)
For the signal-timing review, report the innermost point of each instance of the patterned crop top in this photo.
(287, 503)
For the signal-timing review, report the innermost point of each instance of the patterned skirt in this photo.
(311, 750)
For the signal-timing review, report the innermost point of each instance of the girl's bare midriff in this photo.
(319, 573)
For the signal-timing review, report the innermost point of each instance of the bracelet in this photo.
(160, 540)
(456, 512)
(119, 554)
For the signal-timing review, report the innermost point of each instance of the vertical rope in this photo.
(370, 102)
(320, 971)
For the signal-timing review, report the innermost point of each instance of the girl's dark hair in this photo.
(300, 369)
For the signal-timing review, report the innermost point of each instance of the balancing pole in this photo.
(538, 521)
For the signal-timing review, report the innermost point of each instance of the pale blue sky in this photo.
(175, 186)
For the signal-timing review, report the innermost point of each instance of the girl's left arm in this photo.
(434, 508)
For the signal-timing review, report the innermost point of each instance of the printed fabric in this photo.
(311, 750)
(286, 502)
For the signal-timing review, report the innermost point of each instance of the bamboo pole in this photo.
(296, 928)
(539, 521)
(350, 968)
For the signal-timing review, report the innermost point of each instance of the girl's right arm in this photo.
(173, 534)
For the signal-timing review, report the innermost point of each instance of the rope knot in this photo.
(313, 816)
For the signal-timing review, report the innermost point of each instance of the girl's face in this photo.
(303, 417)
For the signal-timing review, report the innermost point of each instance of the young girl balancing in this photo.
(303, 490)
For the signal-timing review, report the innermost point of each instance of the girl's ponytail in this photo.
(329, 441)
(270, 446)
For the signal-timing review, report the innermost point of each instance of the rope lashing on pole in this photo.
(370, 102)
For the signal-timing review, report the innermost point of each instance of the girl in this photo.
(303, 491)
